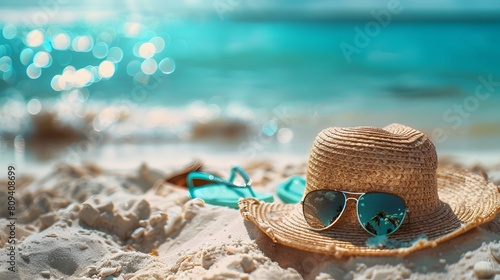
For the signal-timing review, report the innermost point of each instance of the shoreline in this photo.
(128, 156)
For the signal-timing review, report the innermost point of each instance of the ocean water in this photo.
(289, 60)
(152, 79)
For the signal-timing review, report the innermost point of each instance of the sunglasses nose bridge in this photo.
(348, 217)
(349, 198)
(348, 208)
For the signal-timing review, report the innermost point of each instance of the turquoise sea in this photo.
(156, 79)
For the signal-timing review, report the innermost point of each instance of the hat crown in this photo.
(395, 159)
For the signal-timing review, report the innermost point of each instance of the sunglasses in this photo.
(378, 213)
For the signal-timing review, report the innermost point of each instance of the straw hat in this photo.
(442, 202)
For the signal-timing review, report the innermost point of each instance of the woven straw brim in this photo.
(468, 200)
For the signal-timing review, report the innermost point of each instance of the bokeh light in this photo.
(9, 76)
(82, 43)
(115, 54)
(141, 78)
(5, 63)
(46, 46)
(54, 83)
(133, 67)
(135, 49)
(285, 135)
(270, 128)
(42, 59)
(100, 50)
(33, 71)
(9, 31)
(105, 118)
(26, 56)
(77, 96)
(61, 41)
(72, 78)
(82, 78)
(69, 70)
(106, 69)
(34, 106)
(147, 50)
(158, 43)
(94, 70)
(6, 70)
(131, 29)
(149, 66)
(76, 57)
(167, 65)
(35, 38)
(65, 81)
(166, 39)
(105, 37)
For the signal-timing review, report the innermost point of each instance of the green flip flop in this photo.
(292, 189)
(217, 191)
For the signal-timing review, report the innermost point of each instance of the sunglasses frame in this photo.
(346, 199)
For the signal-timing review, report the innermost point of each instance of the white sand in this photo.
(86, 223)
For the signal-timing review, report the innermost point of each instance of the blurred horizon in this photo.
(93, 10)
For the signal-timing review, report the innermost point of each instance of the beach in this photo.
(101, 104)
(98, 222)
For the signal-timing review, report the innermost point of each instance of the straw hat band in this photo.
(334, 157)
(321, 164)
(356, 181)
(388, 151)
(334, 172)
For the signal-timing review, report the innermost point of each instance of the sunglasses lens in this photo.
(381, 213)
(322, 208)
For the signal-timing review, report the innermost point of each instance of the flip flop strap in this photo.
(238, 170)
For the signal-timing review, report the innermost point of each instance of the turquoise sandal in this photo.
(217, 191)
(292, 189)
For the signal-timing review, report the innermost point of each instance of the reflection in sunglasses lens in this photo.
(381, 213)
(322, 208)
